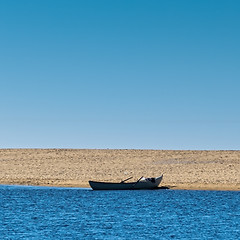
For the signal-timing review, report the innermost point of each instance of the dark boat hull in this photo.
(146, 184)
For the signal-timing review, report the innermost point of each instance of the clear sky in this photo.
(120, 74)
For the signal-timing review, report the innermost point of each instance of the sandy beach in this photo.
(200, 170)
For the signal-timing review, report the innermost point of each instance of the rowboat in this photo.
(141, 183)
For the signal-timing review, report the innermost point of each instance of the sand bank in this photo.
(215, 170)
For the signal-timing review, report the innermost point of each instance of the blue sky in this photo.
(120, 74)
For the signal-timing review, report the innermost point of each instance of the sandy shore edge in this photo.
(190, 170)
(209, 187)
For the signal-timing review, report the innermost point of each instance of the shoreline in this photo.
(182, 169)
(87, 186)
(185, 188)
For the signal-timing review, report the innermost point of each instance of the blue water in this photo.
(64, 213)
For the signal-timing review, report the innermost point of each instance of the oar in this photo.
(126, 180)
(137, 182)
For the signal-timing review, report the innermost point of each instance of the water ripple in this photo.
(62, 213)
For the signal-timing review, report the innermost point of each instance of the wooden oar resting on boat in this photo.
(141, 183)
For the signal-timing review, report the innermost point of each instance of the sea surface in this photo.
(65, 213)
